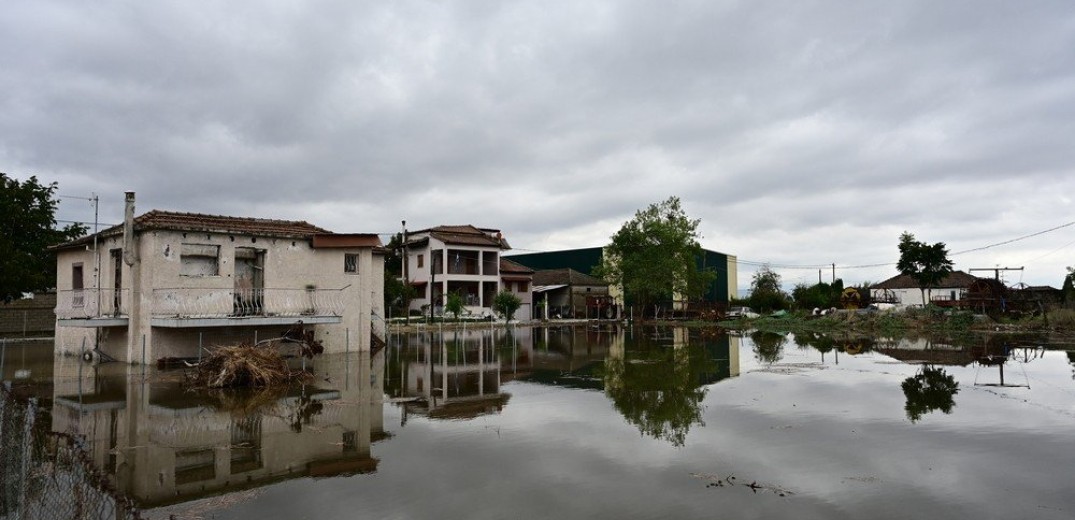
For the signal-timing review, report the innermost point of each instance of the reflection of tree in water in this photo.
(768, 346)
(659, 390)
(820, 342)
(932, 389)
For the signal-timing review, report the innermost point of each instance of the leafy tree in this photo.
(27, 214)
(927, 264)
(820, 296)
(454, 305)
(932, 389)
(505, 303)
(654, 256)
(397, 292)
(1068, 289)
(765, 292)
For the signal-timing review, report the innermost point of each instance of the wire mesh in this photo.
(48, 475)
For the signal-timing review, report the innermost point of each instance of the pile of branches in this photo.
(243, 365)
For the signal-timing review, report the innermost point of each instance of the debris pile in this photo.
(243, 365)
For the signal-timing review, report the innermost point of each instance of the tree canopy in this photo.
(765, 292)
(505, 303)
(927, 264)
(654, 256)
(27, 217)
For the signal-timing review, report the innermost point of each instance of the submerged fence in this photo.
(46, 475)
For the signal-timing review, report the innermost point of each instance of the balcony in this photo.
(181, 308)
(178, 308)
(93, 307)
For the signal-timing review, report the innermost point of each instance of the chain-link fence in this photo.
(48, 475)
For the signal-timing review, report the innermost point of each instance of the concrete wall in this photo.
(288, 264)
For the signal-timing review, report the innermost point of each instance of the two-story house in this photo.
(464, 260)
(165, 283)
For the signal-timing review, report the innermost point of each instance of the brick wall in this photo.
(34, 317)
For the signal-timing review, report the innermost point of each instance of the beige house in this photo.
(164, 283)
(464, 260)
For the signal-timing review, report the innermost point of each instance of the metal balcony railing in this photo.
(226, 303)
(92, 303)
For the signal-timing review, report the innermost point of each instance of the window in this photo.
(77, 297)
(199, 260)
(421, 261)
(523, 287)
(350, 263)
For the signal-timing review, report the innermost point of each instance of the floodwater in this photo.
(595, 423)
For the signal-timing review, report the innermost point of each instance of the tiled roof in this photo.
(565, 277)
(507, 266)
(169, 220)
(466, 235)
(903, 281)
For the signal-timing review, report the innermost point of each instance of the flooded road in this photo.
(598, 423)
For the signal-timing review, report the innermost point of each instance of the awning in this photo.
(543, 288)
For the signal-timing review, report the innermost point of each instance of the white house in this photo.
(904, 290)
(465, 260)
(162, 283)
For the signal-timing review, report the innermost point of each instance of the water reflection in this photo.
(768, 346)
(162, 444)
(654, 377)
(931, 389)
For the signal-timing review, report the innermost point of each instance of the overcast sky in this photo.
(800, 132)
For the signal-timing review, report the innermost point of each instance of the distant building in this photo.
(464, 260)
(904, 290)
(168, 281)
(585, 260)
(567, 293)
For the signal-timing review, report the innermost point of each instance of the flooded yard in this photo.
(591, 423)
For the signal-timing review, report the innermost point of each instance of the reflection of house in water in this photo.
(453, 374)
(574, 356)
(161, 444)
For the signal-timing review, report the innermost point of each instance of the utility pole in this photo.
(834, 272)
(996, 270)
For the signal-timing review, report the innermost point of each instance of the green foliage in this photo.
(765, 292)
(454, 304)
(927, 264)
(1068, 289)
(653, 256)
(27, 214)
(505, 303)
(397, 292)
(932, 389)
(820, 296)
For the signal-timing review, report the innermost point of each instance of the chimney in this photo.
(129, 255)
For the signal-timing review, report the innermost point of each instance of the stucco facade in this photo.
(200, 279)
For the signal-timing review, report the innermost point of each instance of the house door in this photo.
(116, 258)
(249, 281)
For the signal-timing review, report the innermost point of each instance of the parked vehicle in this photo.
(738, 313)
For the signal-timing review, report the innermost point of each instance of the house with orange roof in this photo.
(166, 284)
(465, 260)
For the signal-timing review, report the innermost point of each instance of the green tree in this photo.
(27, 214)
(454, 305)
(927, 264)
(765, 292)
(505, 303)
(654, 256)
(398, 293)
(820, 296)
(1068, 289)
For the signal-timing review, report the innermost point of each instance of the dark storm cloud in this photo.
(782, 125)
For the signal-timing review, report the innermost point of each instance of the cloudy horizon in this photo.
(801, 133)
